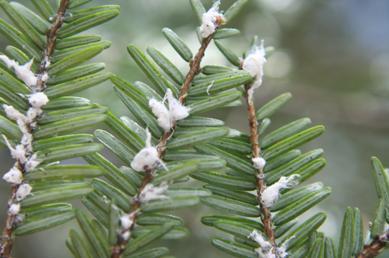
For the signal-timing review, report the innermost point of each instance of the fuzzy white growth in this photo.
(126, 221)
(13, 176)
(13, 114)
(162, 114)
(253, 64)
(151, 192)
(23, 72)
(265, 249)
(126, 235)
(210, 20)
(31, 163)
(147, 158)
(271, 194)
(23, 191)
(14, 209)
(38, 100)
(167, 116)
(177, 110)
(259, 162)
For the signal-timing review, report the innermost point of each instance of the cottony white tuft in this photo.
(14, 209)
(126, 235)
(177, 110)
(38, 100)
(23, 191)
(126, 221)
(271, 194)
(23, 72)
(32, 163)
(211, 20)
(166, 117)
(13, 113)
(147, 158)
(265, 249)
(151, 192)
(13, 176)
(162, 114)
(259, 162)
(253, 64)
(19, 153)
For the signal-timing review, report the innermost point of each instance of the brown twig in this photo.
(51, 39)
(260, 177)
(121, 244)
(375, 247)
(11, 220)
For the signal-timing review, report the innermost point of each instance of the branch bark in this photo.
(121, 244)
(375, 247)
(260, 178)
(7, 239)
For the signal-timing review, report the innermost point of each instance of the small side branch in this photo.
(260, 178)
(121, 244)
(375, 247)
(27, 160)
(51, 39)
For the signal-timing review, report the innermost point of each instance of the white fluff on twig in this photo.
(265, 247)
(210, 20)
(177, 110)
(259, 162)
(14, 209)
(13, 176)
(271, 194)
(147, 158)
(23, 191)
(162, 113)
(32, 163)
(23, 72)
(167, 116)
(253, 64)
(151, 192)
(38, 100)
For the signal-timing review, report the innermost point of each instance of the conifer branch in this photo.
(121, 244)
(27, 123)
(260, 177)
(375, 247)
(50, 42)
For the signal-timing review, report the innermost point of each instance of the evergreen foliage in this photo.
(173, 154)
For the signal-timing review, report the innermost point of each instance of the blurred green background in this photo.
(333, 56)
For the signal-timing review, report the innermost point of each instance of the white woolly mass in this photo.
(126, 221)
(31, 163)
(147, 158)
(126, 235)
(259, 162)
(271, 194)
(209, 21)
(38, 100)
(265, 247)
(23, 72)
(23, 191)
(13, 114)
(176, 109)
(13, 176)
(19, 153)
(151, 192)
(253, 64)
(166, 117)
(14, 209)
(162, 114)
